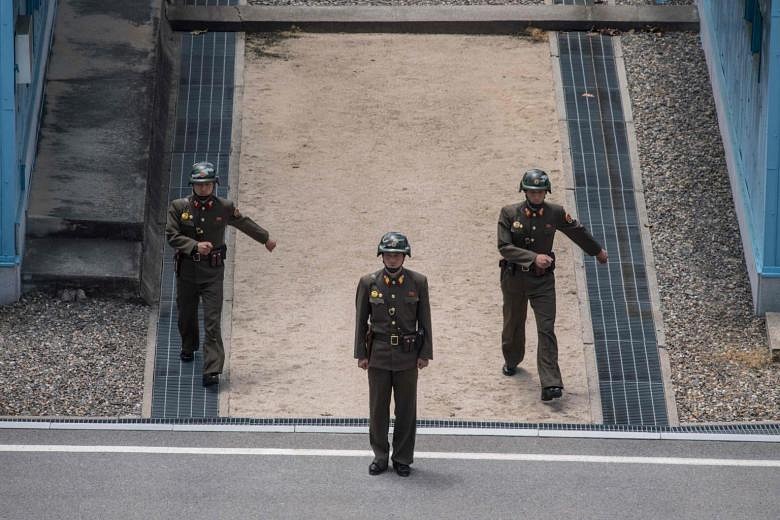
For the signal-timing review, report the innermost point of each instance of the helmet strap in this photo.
(393, 271)
(535, 207)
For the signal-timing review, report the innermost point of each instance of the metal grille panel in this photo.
(202, 131)
(630, 380)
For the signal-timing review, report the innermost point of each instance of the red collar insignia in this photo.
(197, 204)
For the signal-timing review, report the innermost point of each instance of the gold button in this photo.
(203, 219)
(533, 240)
(393, 322)
(392, 296)
(534, 228)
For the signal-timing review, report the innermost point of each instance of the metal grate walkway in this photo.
(202, 131)
(630, 380)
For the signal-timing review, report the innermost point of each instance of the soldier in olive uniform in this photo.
(393, 341)
(196, 230)
(525, 240)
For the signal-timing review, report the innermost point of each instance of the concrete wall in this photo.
(747, 92)
(163, 113)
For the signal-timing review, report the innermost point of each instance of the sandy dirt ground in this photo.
(348, 136)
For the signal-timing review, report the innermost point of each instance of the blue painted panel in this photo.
(9, 175)
(747, 92)
(743, 93)
(28, 96)
(772, 216)
(19, 119)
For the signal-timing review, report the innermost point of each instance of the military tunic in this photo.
(190, 221)
(394, 307)
(524, 233)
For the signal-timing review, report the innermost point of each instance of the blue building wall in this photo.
(20, 109)
(741, 39)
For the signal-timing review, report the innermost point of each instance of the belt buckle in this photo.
(196, 257)
(524, 268)
(394, 340)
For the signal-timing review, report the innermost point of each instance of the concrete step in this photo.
(82, 262)
(40, 226)
(773, 334)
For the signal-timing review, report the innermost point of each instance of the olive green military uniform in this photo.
(523, 233)
(396, 308)
(200, 276)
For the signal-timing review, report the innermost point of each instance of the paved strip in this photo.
(526, 457)
(483, 19)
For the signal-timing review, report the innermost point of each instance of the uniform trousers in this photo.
(403, 386)
(518, 290)
(188, 296)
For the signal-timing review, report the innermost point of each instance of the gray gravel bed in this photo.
(80, 358)
(720, 364)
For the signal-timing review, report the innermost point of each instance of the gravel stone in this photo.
(721, 368)
(82, 357)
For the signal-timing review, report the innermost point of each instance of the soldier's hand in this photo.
(422, 363)
(363, 363)
(543, 261)
(602, 257)
(205, 248)
(270, 245)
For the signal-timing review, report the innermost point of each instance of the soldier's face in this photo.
(204, 189)
(535, 196)
(393, 260)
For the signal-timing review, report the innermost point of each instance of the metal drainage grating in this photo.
(715, 429)
(202, 131)
(630, 380)
(573, 2)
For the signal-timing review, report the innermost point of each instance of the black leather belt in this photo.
(197, 257)
(392, 339)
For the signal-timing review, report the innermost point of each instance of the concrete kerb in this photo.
(773, 334)
(538, 432)
(591, 370)
(647, 245)
(151, 351)
(233, 185)
(168, 58)
(482, 19)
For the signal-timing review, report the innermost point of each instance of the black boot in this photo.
(551, 392)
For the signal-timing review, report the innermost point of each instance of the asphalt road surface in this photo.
(150, 475)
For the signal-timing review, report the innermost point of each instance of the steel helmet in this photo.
(536, 180)
(202, 173)
(394, 242)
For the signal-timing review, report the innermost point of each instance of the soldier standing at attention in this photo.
(525, 240)
(393, 341)
(196, 230)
